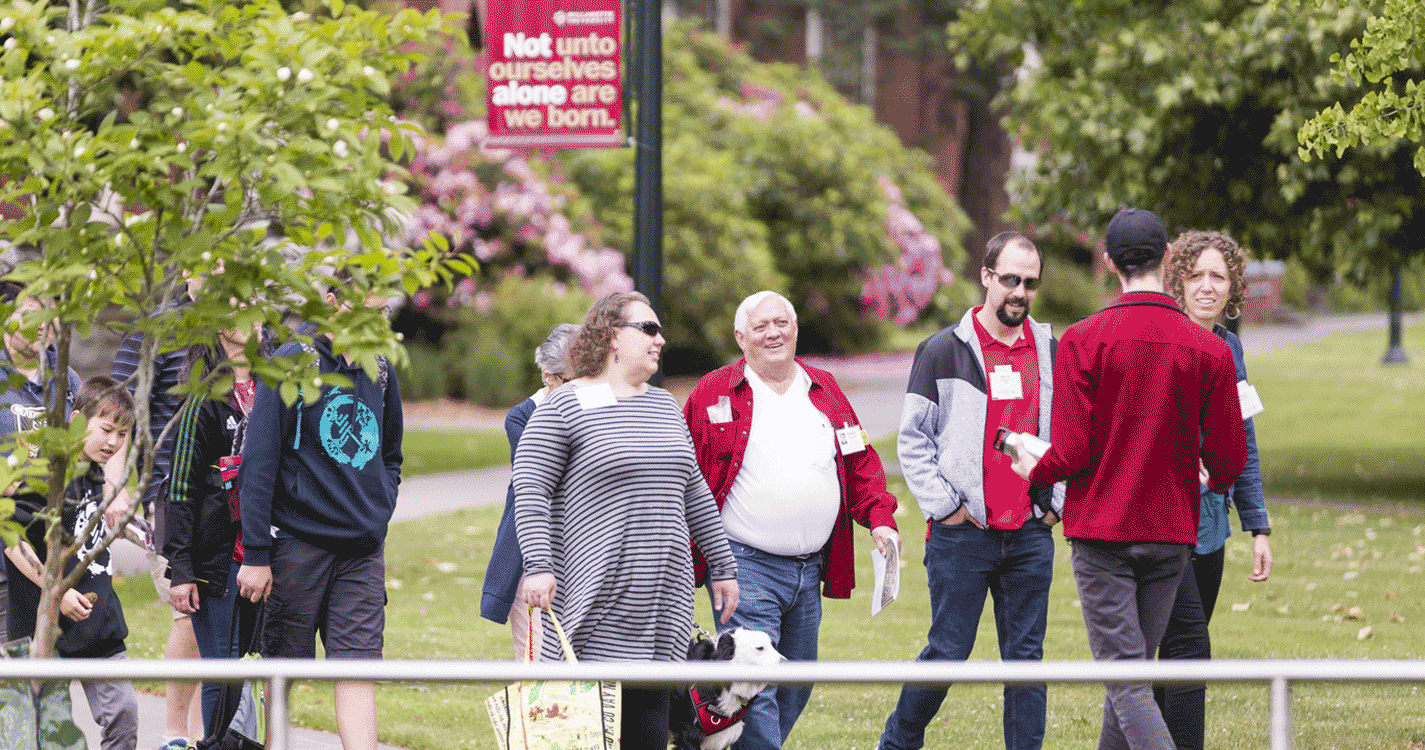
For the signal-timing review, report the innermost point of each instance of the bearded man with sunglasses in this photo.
(988, 532)
(790, 468)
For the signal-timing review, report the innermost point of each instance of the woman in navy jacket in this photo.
(1206, 274)
(501, 599)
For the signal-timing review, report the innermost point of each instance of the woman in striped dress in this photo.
(607, 492)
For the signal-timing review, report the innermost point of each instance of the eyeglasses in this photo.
(1011, 280)
(648, 327)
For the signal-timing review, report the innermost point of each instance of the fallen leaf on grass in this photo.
(1356, 613)
(1395, 617)
(1365, 633)
(1241, 607)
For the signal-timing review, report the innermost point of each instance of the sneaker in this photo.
(180, 743)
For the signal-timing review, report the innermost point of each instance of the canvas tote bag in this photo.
(556, 714)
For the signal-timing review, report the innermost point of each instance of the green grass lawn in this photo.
(1328, 562)
(1338, 426)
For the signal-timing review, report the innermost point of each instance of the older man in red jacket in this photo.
(790, 476)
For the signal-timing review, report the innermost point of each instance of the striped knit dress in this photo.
(605, 499)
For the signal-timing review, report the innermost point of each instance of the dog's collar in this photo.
(711, 720)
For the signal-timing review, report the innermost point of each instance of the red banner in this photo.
(553, 73)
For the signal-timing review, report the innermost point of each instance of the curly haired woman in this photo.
(1206, 273)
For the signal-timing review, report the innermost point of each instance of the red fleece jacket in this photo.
(1136, 385)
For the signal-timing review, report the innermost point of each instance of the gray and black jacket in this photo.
(942, 434)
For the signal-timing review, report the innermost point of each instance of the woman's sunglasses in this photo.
(647, 326)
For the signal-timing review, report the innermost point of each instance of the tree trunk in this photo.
(983, 169)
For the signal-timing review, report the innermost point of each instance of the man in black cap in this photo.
(1136, 384)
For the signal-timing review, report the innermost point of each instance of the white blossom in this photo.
(10, 43)
(368, 71)
(339, 148)
(333, 123)
(13, 460)
(71, 64)
(283, 73)
(304, 76)
(182, 147)
(133, 143)
(177, 111)
(79, 151)
(7, 23)
(45, 114)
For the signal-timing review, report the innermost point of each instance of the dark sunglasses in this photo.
(650, 328)
(1010, 281)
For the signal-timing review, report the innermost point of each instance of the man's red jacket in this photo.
(720, 448)
(1140, 394)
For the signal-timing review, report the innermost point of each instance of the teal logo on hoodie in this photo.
(349, 432)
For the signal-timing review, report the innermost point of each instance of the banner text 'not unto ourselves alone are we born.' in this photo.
(552, 72)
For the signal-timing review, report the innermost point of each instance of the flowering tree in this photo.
(148, 141)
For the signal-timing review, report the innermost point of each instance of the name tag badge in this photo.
(595, 396)
(721, 412)
(1005, 384)
(850, 439)
(1251, 402)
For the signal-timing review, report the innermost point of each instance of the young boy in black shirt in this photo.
(92, 620)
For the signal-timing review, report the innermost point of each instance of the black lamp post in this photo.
(648, 161)
(1395, 355)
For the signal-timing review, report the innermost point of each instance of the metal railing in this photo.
(281, 673)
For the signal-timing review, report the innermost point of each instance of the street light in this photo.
(1395, 355)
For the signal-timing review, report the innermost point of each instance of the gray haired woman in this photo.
(501, 598)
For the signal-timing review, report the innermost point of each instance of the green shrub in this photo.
(1296, 285)
(1069, 293)
(424, 376)
(773, 180)
(490, 351)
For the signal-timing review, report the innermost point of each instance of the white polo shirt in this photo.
(787, 494)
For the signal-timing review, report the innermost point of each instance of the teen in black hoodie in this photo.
(324, 474)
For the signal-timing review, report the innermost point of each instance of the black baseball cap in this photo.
(1135, 236)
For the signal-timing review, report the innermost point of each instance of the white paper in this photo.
(1005, 384)
(1251, 402)
(721, 412)
(849, 440)
(887, 575)
(595, 396)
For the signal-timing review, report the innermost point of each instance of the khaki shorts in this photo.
(158, 570)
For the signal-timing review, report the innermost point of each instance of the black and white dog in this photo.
(709, 717)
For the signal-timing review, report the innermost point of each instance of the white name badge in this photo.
(849, 440)
(721, 412)
(1251, 402)
(1005, 384)
(596, 396)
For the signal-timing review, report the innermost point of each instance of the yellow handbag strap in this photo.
(558, 630)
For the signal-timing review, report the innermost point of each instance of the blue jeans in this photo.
(212, 627)
(962, 564)
(781, 597)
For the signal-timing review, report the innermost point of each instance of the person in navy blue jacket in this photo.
(1206, 274)
(501, 598)
(323, 473)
